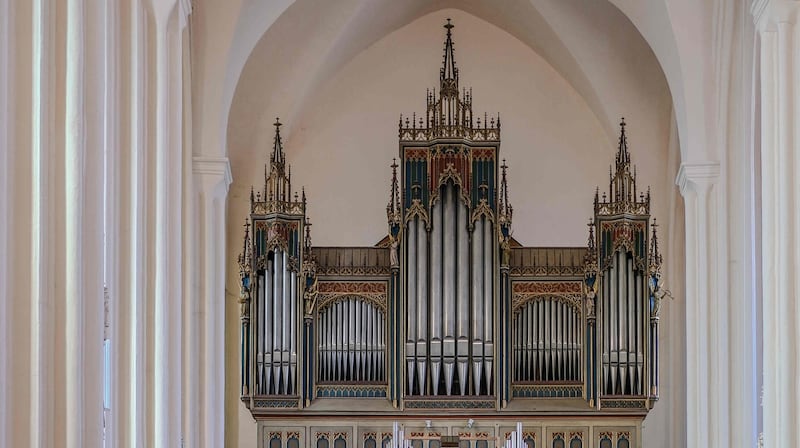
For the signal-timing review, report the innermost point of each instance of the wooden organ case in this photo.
(448, 326)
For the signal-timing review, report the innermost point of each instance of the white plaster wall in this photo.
(341, 145)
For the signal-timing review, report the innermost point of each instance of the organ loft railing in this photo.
(449, 311)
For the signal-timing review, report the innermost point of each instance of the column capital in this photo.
(213, 173)
(184, 12)
(697, 177)
(768, 13)
(162, 10)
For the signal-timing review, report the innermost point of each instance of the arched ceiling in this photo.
(591, 43)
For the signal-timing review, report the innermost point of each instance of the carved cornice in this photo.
(697, 177)
(215, 169)
(568, 292)
(768, 13)
(372, 292)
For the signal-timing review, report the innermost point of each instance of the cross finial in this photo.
(277, 150)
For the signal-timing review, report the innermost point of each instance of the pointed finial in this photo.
(655, 257)
(393, 207)
(449, 70)
(506, 210)
(277, 150)
(623, 156)
(307, 242)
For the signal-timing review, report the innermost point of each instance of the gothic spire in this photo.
(393, 207)
(623, 156)
(244, 257)
(506, 210)
(448, 75)
(277, 150)
(655, 255)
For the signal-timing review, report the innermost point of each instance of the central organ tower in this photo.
(450, 219)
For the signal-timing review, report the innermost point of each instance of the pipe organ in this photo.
(449, 314)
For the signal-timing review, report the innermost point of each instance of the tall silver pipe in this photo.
(436, 269)
(358, 339)
(369, 342)
(381, 345)
(630, 326)
(266, 292)
(265, 343)
(293, 331)
(339, 343)
(422, 281)
(322, 337)
(614, 323)
(477, 304)
(329, 313)
(540, 370)
(546, 352)
(641, 329)
(449, 308)
(449, 258)
(351, 338)
(411, 302)
(277, 307)
(488, 302)
(609, 281)
(462, 306)
(285, 325)
(412, 281)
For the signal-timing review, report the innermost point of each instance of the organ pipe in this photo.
(488, 302)
(352, 343)
(462, 305)
(477, 308)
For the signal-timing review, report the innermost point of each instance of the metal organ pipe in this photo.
(411, 294)
(437, 231)
(449, 290)
(268, 331)
(293, 328)
(477, 308)
(462, 305)
(422, 294)
(283, 323)
(488, 318)
(277, 300)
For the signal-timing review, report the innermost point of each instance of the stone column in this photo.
(779, 44)
(706, 373)
(6, 36)
(212, 176)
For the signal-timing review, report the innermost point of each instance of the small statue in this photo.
(244, 302)
(394, 242)
(505, 246)
(310, 298)
(658, 292)
(590, 296)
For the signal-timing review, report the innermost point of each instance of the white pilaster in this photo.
(6, 36)
(698, 184)
(779, 37)
(212, 177)
(84, 140)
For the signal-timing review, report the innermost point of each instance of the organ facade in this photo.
(448, 326)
